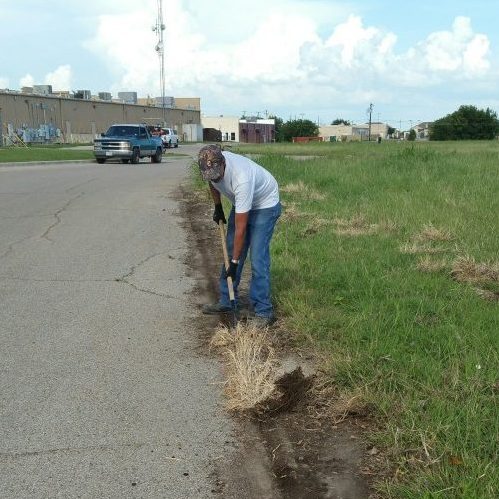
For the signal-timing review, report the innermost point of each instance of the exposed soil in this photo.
(288, 450)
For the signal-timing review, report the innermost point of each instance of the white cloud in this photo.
(457, 50)
(27, 81)
(60, 78)
(285, 55)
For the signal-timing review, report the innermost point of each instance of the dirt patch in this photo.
(285, 449)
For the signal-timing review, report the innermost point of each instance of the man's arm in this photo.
(215, 194)
(218, 213)
(239, 234)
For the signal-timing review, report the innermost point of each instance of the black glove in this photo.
(218, 214)
(232, 270)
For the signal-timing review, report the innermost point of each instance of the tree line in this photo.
(467, 123)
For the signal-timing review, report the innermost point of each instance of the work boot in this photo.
(260, 321)
(215, 308)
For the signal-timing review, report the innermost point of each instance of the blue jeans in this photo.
(259, 232)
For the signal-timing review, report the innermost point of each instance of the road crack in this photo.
(131, 273)
(57, 216)
(80, 184)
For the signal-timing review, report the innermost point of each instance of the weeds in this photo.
(397, 312)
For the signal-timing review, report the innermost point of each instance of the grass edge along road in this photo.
(43, 153)
(386, 260)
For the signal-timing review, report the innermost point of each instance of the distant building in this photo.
(42, 89)
(423, 130)
(233, 129)
(63, 93)
(257, 130)
(228, 126)
(105, 96)
(360, 132)
(168, 102)
(191, 103)
(83, 94)
(128, 97)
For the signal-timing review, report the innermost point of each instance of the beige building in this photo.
(353, 132)
(78, 120)
(227, 125)
(191, 103)
(335, 133)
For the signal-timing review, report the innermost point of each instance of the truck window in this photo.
(122, 131)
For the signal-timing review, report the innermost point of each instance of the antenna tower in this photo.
(159, 27)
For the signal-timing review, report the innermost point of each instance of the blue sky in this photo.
(318, 59)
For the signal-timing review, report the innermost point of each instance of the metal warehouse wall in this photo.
(75, 117)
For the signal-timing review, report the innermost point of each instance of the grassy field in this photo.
(386, 258)
(42, 153)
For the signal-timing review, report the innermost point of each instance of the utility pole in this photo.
(159, 27)
(370, 111)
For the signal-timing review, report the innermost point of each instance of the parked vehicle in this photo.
(128, 142)
(169, 137)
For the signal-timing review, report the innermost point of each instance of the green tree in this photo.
(341, 121)
(278, 127)
(467, 123)
(299, 128)
(412, 135)
(390, 130)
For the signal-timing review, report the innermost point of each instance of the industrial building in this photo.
(45, 117)
(233, 129)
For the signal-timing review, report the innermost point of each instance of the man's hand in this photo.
(232, 270)
(218, 214)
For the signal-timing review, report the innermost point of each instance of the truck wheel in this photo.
(125, 161)
(135, 156)
(156, 158)
(176, 144)
(170, 144)
(101, 160)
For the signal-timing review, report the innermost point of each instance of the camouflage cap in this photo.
(211, 162)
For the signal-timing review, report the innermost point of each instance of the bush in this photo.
(467, 123)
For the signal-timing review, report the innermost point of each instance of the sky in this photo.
(312, 59)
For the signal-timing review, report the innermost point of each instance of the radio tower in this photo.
(159, 27)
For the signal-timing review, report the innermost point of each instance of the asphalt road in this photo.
(103, 392)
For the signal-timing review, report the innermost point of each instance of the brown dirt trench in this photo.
(290, 454)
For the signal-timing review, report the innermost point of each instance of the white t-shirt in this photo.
(247, 185)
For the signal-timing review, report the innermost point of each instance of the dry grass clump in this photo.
(295, 188)
(302, 189)
(424, 241)
(433, 234)
(251, 365)
(427, 264)
(466, 269)
(487, 294)
(416, 248)
(355, 226)
(291, 212)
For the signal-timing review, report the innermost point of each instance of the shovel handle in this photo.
(230, 284)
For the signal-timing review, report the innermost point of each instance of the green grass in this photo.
(42, 153)
(420, 346)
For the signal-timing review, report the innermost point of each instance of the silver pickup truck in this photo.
(128, 142)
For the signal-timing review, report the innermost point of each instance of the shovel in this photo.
(230, 284)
